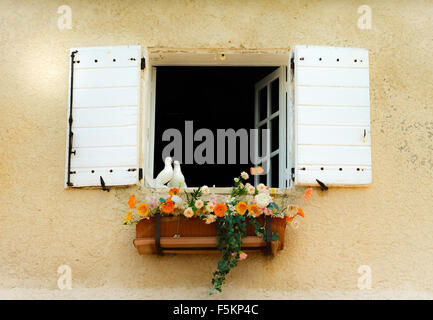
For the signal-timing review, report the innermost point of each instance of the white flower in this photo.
(210, 206)
(244, 175)
(263, 200)
(199, 204)
(236, 179)
(205, 189)
(210, 219)
(188, 213)
(177, 201)
(295, 223)
(291, 211)
(251, 189)
(261, 187)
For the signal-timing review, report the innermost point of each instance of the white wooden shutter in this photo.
(332, 116)
(105, 108)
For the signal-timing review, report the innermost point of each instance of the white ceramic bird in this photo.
(178, 179)
(166, 174)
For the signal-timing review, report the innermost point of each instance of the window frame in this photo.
(156, 56)
(283, 148)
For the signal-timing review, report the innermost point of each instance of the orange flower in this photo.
(256, 170)
(289, 219)
(308, 194)
(241, 208)
(143, 210)
(132, 202)
(167, 206)
(301, 213)
(129, 217)
(174, 191)
(254, 210)
(220, 210)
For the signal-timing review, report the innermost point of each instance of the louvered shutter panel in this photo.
(105, 108)
(332, 116)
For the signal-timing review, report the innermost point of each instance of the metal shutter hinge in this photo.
(143, 63)
(323, 186)
(104, 188)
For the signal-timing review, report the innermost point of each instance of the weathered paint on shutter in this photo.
(106, 83)
(332, 114)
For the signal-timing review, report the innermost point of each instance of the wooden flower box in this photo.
(181, 235)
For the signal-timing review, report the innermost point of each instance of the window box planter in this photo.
(183, 235)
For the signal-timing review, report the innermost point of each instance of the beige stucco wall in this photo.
(387, 226)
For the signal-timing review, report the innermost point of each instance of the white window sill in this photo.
(218, 190)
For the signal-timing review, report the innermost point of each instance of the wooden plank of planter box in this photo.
(274, 249)
(195, 244)
(195, 228)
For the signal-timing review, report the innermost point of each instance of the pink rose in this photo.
(242, 256)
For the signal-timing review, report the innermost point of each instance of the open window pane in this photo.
(276, 112)
(275, 95)
(262, 143)
(275, 133)
(263, 103)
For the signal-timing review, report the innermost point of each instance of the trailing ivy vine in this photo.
(230, 231)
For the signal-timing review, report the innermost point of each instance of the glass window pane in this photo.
(261, 140)
(275, 95)
(275, 133)
(275, 171)
(263, 103)
(262, 178)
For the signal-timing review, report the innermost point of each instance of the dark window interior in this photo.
(213, 98)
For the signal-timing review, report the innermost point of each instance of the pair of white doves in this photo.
(174, 177)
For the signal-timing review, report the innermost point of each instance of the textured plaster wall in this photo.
(387, 226)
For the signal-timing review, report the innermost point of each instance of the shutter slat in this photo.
(100, 78)
(104, 157)
(119, 176)
(105, 116)
(100, 137)
(105, 97)
(356, 116)
(333, 155)
(333, 77)
(332, 96)
(310, 174)
(324, 57)
(332, 116)
(106, 57)
(327, 135)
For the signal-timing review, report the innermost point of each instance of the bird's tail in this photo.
(151, 183)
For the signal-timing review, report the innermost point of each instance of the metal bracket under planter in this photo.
(158, 235)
